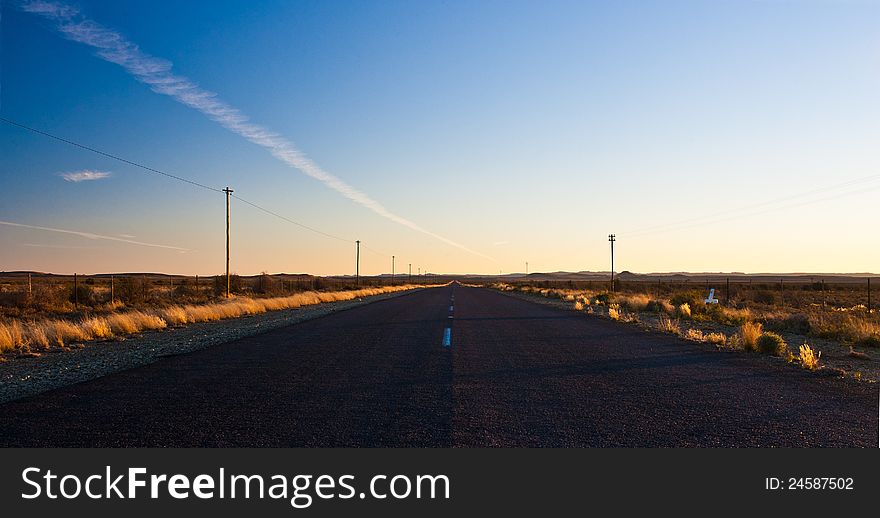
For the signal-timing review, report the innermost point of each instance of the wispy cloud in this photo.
(84, 176)
(155, 72)
(63, 247)
(89, 235)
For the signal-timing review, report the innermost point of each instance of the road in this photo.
(515, 373)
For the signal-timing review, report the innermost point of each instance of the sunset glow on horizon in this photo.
(457, 137)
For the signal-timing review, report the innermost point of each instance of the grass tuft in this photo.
(748, 335)
(809, 359)
(668, 325)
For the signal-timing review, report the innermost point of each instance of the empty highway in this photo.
(451, 366)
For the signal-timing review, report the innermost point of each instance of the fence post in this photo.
(75, 292)
(869, 296)
(112, 294)
(144, 287)
(727, 292)
(31, 289)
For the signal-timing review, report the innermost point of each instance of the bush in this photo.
(771, 343)
(692, 298)
(83, 293)
(659, 306)
(797, 323)
(764, 297)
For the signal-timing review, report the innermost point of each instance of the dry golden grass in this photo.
(749, 334)
(37, 334)
(698, 335)
(668, 325)
(7, 339)
(684, 310)
(96, 328)
(716, 338)
(635, 302)
(578, 306)
(43, 334)
(809, 359)
(614, 311)
(695, 335)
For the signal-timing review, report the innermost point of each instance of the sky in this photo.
(460, 137)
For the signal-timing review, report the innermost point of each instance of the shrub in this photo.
(749, 334)
(764, 297)
(797, 323)
(578, 306)
(659, 306)
(83, 293)
(808, 358)
(771, 343)
(691, 298)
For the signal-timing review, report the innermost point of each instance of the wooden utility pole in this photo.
(409, 278)
(357, 264)
(392, 270)
(112, 294)
(31, 288)
(228, 191)
(612, 239)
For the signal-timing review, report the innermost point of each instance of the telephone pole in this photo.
(357, 264)
(612, 239)
(409, 281)
(392, 270)
(228, 191)
(527, 267)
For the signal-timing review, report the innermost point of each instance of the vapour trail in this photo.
(90, 235)
(156, 73)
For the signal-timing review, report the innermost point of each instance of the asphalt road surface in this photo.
(514, 373)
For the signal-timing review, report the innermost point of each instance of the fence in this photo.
(64, 292)
(840, 292)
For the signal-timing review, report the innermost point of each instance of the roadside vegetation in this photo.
(755, 322)
(32, 336)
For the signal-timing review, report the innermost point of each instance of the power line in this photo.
(710, 218)
(279, 216)
(178, 178)
(108, 155)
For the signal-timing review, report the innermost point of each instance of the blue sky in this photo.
(523, 131)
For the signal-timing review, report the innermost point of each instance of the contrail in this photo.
(155, 72)
(90, 235)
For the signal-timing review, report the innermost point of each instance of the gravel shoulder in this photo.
(27, 376)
